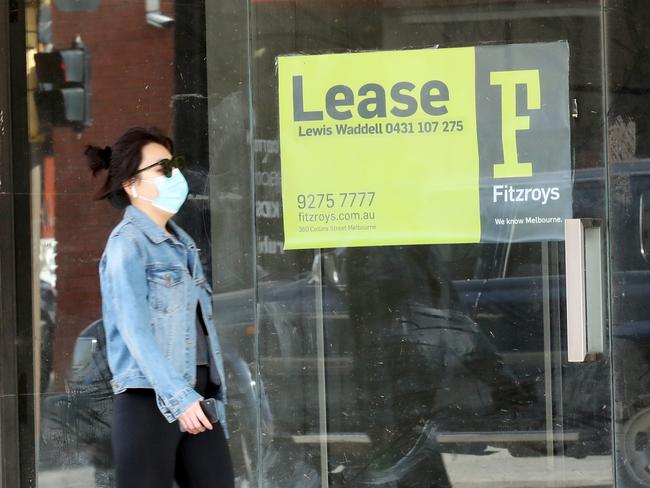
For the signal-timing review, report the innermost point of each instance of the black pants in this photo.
(151, 452)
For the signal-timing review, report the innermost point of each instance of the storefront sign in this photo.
(426, 146)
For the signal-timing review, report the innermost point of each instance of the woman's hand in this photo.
(193, 420)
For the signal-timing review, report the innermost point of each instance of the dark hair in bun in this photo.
(122, 160)
(98, 158)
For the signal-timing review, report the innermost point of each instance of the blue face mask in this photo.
(172, 191)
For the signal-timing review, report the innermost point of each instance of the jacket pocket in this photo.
(165, 288)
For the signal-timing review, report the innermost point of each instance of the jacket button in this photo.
(168, 279)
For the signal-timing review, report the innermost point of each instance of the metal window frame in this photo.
(17, 447)
(9, 439)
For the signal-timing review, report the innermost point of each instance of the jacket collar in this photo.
(153, 231)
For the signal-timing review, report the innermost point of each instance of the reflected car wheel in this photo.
(633, 459)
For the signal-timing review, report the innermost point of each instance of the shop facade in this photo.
(431, 354)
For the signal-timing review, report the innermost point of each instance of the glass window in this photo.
(388, 366)
(415, 365)
(97, 68)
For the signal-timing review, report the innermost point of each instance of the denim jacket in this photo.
(150, 286)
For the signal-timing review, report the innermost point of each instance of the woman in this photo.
(161, 342)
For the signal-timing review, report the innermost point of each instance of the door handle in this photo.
(584, 288)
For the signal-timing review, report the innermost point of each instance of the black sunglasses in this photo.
(167, 165)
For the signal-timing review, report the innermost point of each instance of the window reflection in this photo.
(439, 365)
(436, 358)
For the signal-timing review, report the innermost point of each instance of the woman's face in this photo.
(151, 153)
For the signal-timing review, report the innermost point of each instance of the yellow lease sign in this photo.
(381, 148)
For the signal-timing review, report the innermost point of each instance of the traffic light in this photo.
(63, 97)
